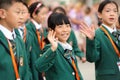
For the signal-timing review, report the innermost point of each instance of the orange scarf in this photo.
(13, 61)
(76, 71)
(40, 40)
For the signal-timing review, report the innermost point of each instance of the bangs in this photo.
(56, 19)
(61, 20)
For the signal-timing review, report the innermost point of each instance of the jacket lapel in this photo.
(67, 55)
(113, 38)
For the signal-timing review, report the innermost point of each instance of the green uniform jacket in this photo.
(6, 65)
(101, 51)
(29, 43)
(56, 65)
(36, 51)
(73, 41)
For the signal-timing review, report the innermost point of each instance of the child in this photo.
(37, 14)
(26, 35)
(102, 47)
(58, 60)
(13, 63)
(60, 10)
(72, 38)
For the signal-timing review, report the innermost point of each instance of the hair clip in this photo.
(37, 7)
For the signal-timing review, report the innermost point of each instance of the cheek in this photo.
(57, 33)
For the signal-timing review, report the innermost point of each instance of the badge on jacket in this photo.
(21, 61)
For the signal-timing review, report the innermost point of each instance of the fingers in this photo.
(51, 36)
(83, 25)
(93, 27)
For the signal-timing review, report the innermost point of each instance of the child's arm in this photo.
(47, 60)
(74, 44)
(92, 44)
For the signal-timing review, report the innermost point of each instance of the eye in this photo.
(60, 26)
(68, 25)
(115, 11)
(18, 12)
(107, 10)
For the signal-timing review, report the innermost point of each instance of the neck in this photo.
(6, 26)
(110, 25)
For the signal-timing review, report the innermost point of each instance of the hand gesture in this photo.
(89, 31)
(52, 40)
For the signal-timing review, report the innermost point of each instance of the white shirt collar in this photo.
(38, 26)
(8, 34)
(110, 29)
(65, 45)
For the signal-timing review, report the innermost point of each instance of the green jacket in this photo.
(56, 65)
(6, 65)
(36, 51)
(73, 41)
(29, 44)
(101, 51)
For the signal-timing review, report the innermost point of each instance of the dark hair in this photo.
(5, 4)
(119, 20)
(87, 10)
(57, 19)
(59, 9)
(35, 8)
(25, 4)
(104, 3)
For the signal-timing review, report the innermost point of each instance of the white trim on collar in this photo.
(109, 28)
(8, 34)
(65, 45)
(37, 26)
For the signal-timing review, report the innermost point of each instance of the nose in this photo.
(112, 13)
(21, 15)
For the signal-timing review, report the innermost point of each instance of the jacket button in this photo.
(40, 55)
(73, 73)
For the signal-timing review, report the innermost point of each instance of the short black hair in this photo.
(33, 6)
(57, 19)
(59, 9)
(104, 3)
(5, 4)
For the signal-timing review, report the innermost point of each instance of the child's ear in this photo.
(2, 13)
(49, 29)
(34, 15)
(99, 15)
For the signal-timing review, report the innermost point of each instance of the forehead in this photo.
(16, 5)
(42, 8)
(110, 6)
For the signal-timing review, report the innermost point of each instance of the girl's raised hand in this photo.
(52, 39)
(89, 31)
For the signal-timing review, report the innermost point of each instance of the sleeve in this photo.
(93, 50)
(76, 49)
(46, 61)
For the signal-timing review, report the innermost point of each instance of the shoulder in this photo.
(29, 25)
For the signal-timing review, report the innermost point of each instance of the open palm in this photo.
(87, 30)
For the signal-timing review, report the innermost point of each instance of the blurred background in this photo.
(66, 2)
